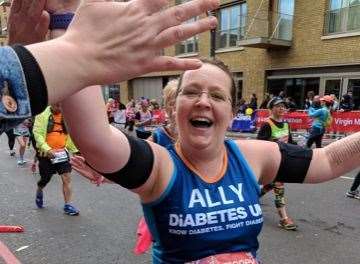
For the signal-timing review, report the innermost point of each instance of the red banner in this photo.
(344, 122)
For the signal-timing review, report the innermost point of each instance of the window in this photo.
(342, 16)
(285, 19)
(232, 22)
(189, 45)
(296, 88)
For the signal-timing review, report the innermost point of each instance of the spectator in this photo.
(265, 102)
(110, 109)
(241, 107)
(253, 102)
(336, 104)
(290, 103)
(282, 95)
(158, 115)
(130, 115)
(309, 99)
(120, 116)
(346, 103)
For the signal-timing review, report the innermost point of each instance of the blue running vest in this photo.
(194, 219)
(161, 137)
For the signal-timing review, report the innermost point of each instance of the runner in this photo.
(275, 129)
(22, 134)
(11, 141)
(53, 144)
(201, 197)
(354, 192)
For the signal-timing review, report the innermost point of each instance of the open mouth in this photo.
(201, 122)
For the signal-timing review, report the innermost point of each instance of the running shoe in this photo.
(287, 224)
(12, 153)
(353, 194)
(39, 199)
(70, 210)
(21, 162)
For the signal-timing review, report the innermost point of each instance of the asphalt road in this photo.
(104, 232)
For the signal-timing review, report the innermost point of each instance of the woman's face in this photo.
(278, 110)
(203, 106)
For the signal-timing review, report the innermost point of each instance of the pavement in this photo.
(104, 232)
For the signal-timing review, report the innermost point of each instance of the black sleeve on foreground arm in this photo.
(138, 168)
(295, 162)
(35, 81)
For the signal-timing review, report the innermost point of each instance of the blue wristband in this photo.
(60, 21)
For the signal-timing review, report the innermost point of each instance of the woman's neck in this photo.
(207, 161)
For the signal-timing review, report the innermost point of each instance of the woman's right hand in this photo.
(78, 164)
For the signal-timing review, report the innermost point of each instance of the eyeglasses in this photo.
(214, 95)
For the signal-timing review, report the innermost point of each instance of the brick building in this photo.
(276, 45)
(4, 13)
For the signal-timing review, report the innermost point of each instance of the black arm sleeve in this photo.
(35, 81)
(295, 162)
(138, 168)
(264, 132)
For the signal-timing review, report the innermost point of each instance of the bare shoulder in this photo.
(260, 154)
(256, 146)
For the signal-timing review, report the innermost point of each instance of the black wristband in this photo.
(35, 81)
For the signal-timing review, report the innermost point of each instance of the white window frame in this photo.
(241, 27)
(190, 41)
(343, 11)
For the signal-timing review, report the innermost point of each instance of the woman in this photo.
(120, 116)
(275, 129)
(130, 115)
(321, 120)
(201, 196)
(143, 118)
(111, 107)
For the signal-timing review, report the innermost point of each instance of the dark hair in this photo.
(221, 65)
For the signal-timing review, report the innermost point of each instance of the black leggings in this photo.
(11, 138)
(317, 139)
(356, 183)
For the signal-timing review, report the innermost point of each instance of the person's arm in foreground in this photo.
(53, 70)
(28, 23)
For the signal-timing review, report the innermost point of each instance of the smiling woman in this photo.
(200, 196)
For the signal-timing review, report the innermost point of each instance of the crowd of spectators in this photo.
(345, 104)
